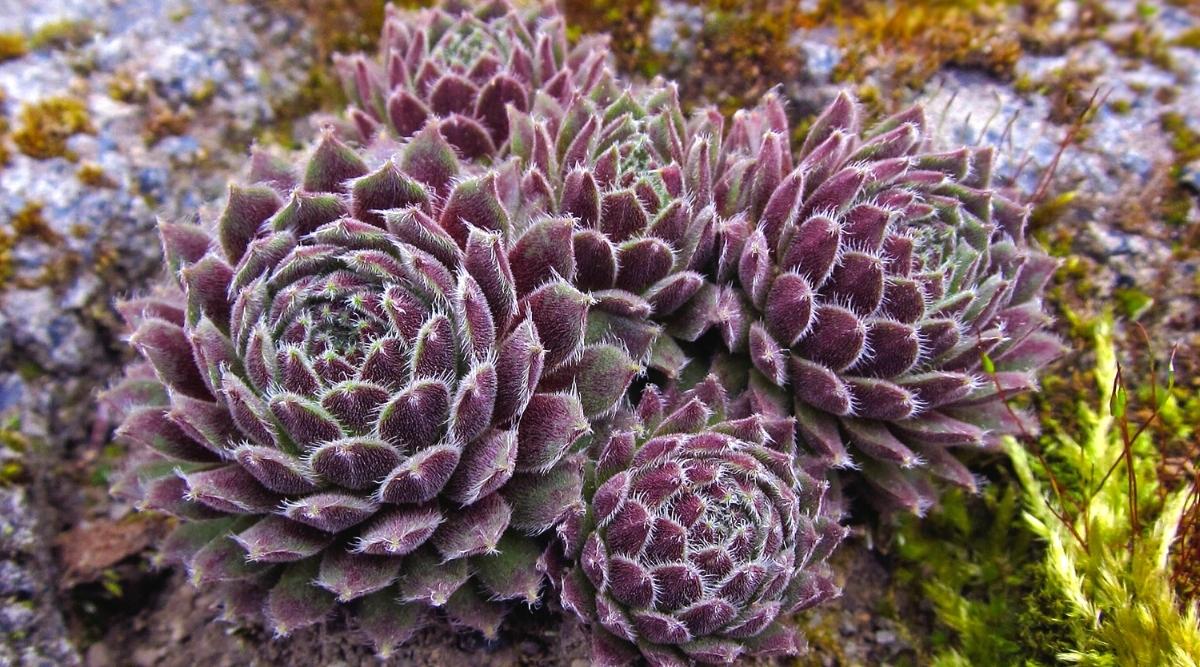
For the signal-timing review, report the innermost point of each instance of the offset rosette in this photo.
(357, 401)
(698, 535)
(617, 176)
(629, 183)
(461, 66)
(881, 284)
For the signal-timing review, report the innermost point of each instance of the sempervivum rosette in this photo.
(881, 284)
(463, 65)
(358, 400)
(699, 534)
(632, 185)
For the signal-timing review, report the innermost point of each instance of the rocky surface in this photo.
(125, 110)
(170, 95)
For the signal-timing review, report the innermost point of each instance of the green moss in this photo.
(1046, 212)
(1048, 563)
(124, 88)
(205, 95)
(1132, 302)
(11, 438)
(1093, 495)
(12, 45)
(61, 34)
(179, 13)
(978, 565)
(44, 127)
(338, 26)
(4, 153)
(1146, 44)
(1184, 140)
(1121, 107)
(1185, 143)
(106, 464)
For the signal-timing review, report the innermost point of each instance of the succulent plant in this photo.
(880, 292)
(462, 65)
(699, 533)
(362, 390)
(624, 181)
(636, 180)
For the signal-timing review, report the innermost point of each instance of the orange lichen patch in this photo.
(44, 127)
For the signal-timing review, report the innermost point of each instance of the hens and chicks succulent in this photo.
(514, 327)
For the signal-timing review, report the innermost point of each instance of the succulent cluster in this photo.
(884, 287)
(351, 389)
(400, 376)
(697, 534)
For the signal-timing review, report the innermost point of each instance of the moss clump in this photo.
(740, 50)
(4, 154)
(29, 223)
(122, 87)
(1190, 39)
(1063, 558)
(62, 34)
(979, 566)
(45, 126)
(12, 46)
(13, 444)
(338, 26)
(1093, 495)
(92, 175)
(1132, 302)
(1185, 143)
(7, 241)
(913, 40)
(745, 46)
(1184, 140)
(163, 121)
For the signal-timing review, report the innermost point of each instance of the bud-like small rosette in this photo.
(697, 537)
(356, 401)
(462, 66)
(636, 177)
(880, 284)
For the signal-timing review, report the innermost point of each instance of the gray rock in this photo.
(223, 67)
